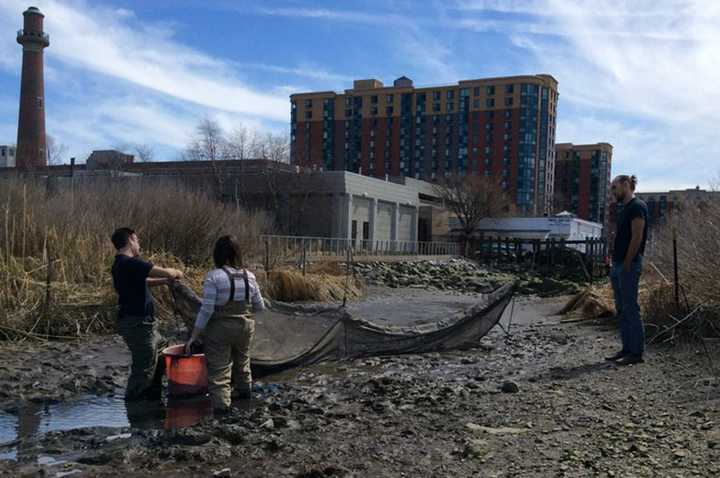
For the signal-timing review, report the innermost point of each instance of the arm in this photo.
(165, 273)
(256, 298)
(155, 281)
(637, 228)
(206, 310)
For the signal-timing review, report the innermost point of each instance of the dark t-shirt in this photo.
(129, 279)
(636, 208)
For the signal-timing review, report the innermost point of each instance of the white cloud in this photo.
(117, 45)
(641, 75)
(336, 15)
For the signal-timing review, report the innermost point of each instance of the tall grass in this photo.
(55, 252)
(697, 226)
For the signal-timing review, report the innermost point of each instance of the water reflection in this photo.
(20, 431)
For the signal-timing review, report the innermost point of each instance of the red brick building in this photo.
(499, 127)
(582, 180)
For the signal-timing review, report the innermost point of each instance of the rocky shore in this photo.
(460, 276)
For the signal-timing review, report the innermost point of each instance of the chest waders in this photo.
(228, 339)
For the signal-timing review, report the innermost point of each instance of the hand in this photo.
(188, 346)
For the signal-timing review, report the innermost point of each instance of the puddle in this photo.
(20, 431)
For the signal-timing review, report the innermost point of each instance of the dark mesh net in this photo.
(291, 335)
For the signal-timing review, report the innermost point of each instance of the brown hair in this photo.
(624, 178)
(227, 252)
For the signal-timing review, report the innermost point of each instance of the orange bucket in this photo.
(186, 374)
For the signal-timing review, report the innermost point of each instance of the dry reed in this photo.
(55, 252)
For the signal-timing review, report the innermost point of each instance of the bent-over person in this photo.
(231, 296)
(136, 314)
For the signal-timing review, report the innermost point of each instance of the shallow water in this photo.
(19, 430)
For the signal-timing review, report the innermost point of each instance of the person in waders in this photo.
(231, 296)
(135, 323)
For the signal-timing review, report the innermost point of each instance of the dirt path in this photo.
(563, 412)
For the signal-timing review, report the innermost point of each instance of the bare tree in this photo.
(144, 153)
(270, 146)
(714, 183)
(472, 199)
(238, 144)
(56, 152)
(209, 144)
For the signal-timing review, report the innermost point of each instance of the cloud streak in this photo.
(118, 45)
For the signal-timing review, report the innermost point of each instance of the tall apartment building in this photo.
(498, 127)
(7, 156)
(582, 180)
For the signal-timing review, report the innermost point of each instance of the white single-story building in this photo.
(564, 226)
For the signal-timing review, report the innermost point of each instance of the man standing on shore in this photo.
(628, 253)
(136, 322)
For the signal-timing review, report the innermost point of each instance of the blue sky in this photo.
(641, 75)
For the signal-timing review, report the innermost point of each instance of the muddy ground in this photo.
(537, 402)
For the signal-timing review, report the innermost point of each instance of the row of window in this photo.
(490, 90)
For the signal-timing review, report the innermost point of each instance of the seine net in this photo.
(291, 335)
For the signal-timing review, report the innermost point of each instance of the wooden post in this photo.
(48, 283)
(304, 256)
(548, 250)
(675, 269)
(267, 255)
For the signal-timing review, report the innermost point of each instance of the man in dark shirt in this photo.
(628, 251)
(132, 277)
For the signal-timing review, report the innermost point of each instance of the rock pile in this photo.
(460, 276)
(455, 275)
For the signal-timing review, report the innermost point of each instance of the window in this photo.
(508, 101)
(374, 110)
(308, 103)
(389, 110)
(490, 102)
(373, 99)
(450, 94)
(436, 107)
(449, 107)
(509, 89)
(436, 96)
(476, 91)
(308, 114)
(476, 104)
(348, 113)
(490, 90)
(294, 105)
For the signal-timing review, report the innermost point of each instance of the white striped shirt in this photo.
(216, 292)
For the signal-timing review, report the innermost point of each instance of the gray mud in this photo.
(537, 402)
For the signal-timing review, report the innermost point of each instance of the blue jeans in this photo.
(625, 287)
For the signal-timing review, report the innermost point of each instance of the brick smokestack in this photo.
(31, 143)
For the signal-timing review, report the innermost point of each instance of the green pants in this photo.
(227, 350)
(145, 344)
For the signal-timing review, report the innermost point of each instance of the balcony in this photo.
(33, 37)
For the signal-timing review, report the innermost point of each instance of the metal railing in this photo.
(309, 246)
